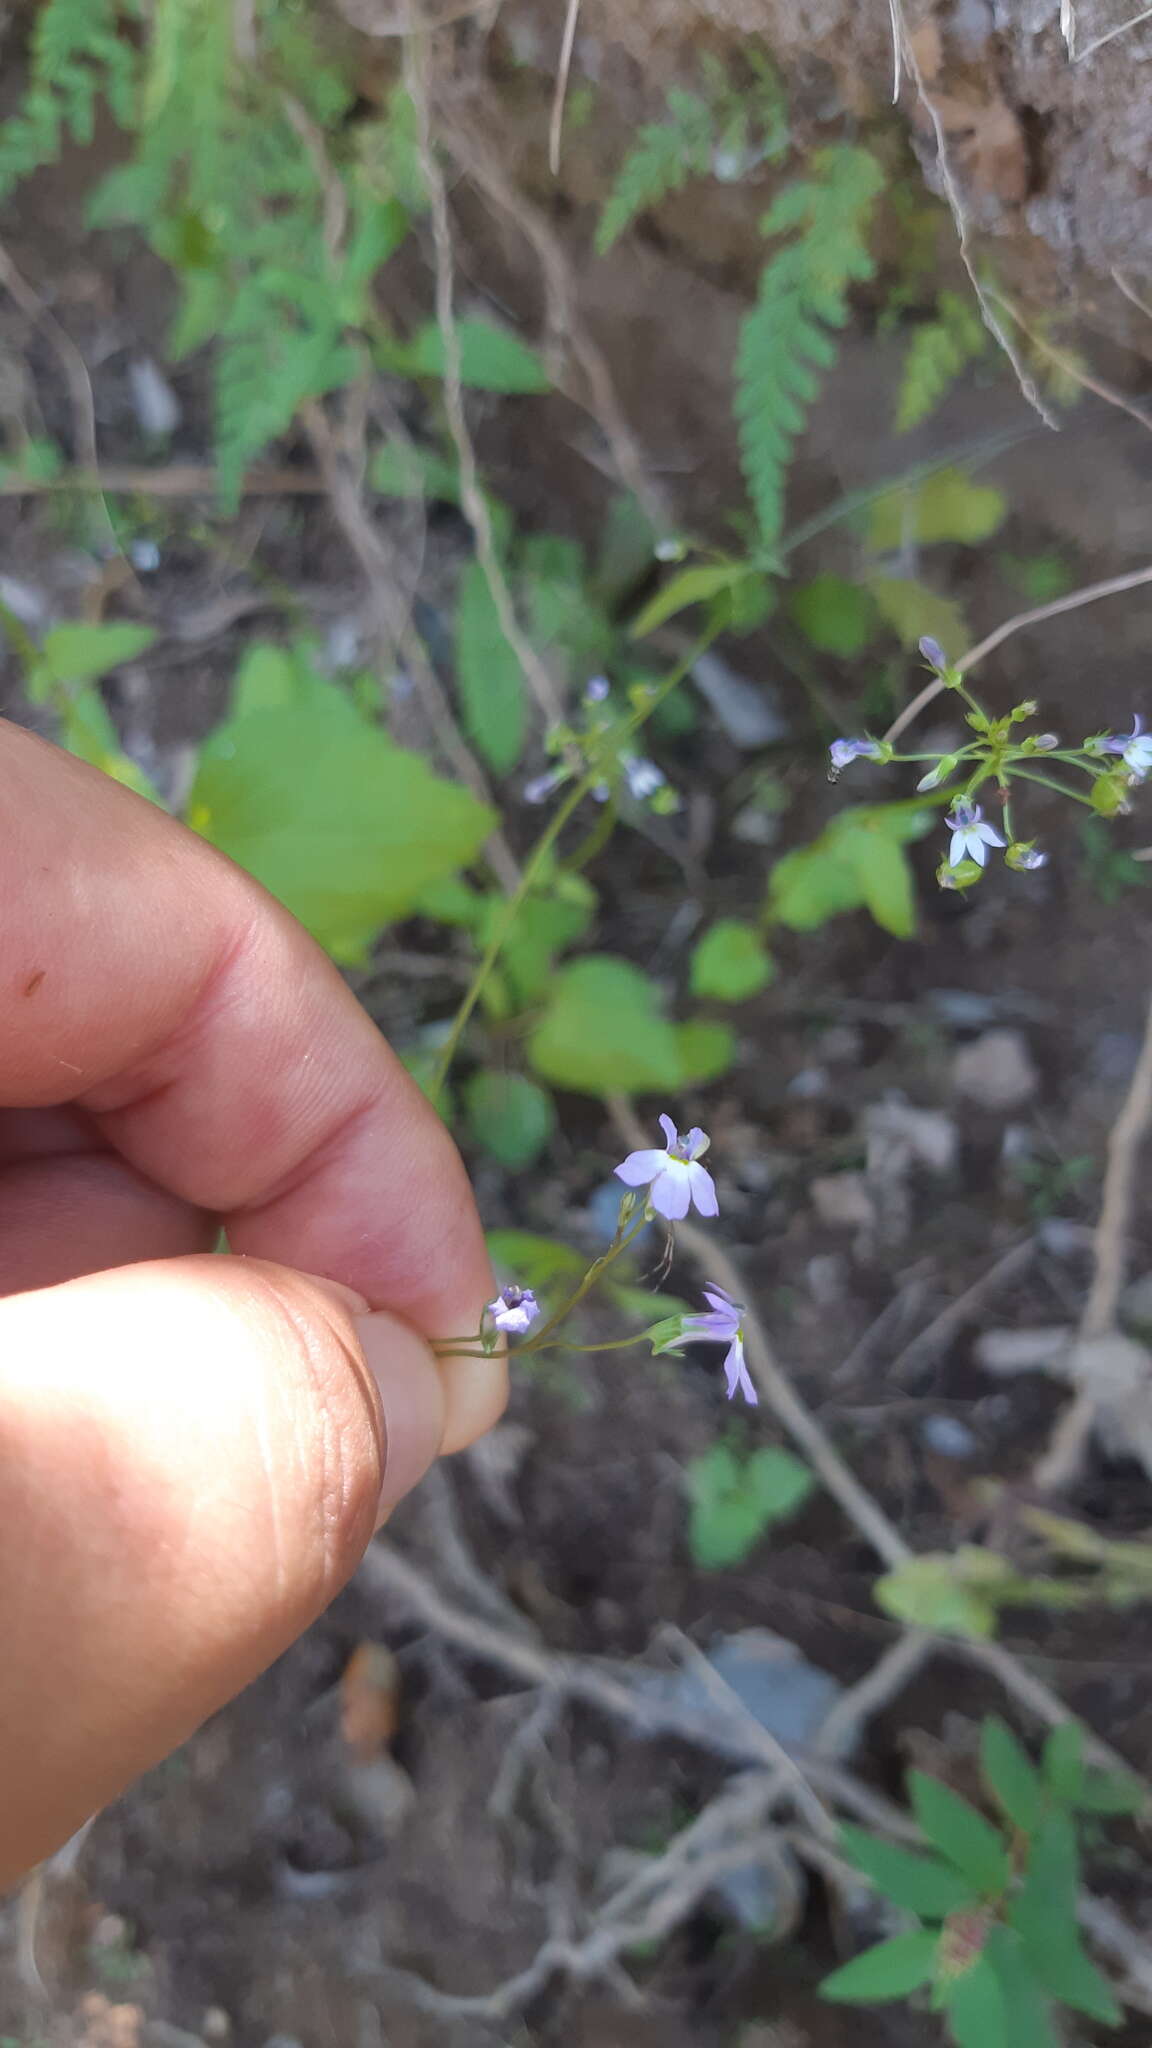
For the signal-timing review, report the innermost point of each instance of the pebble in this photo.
(996, 1071)
(948, 1436)
(843, 1200)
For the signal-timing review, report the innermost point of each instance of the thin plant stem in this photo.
(596, 1270)
(1048, 782)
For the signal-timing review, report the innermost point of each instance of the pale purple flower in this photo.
(644, 778)
(597, 690)
(1025, 856)
(843, 752)
(724, 1324)
(540, 788)
(971, 837)
(674, 1178)
(1135, 748)
(514, 1310)
(933, 653)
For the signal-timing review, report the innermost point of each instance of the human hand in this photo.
(194, 1450)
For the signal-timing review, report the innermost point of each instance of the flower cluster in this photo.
(999, 755)
(673, 1181)
(594, 741)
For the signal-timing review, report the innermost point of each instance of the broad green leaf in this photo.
(930, 1592)
(402, 469)
(1010, 1776)
(730, 962)
(920, 1884)
(705, 1050)
(1063, 1761)
(345, 828)
(961, 1835)
(1026, 2010)
(639, 1304)
(944, 506)
(838, 617)
(695, 585)
(544, 926)
(735, 1499)
(891, 1970)
(811, 885)
(913, 612)
(488, 675)
(78, 654)
(603, 1031)
(491, 358)
(1043, 1915)
(885, 877)
(88, 732)
(510, 1116)
(857, 861)
(534, 1261)
(976, 2011)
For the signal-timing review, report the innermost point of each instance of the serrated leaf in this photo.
(836, 616)
(697, 584)
(489, 678)
(891, 1970)
(510, 1116)
(915, 613)
(961, 1835)
(730, 962)
(79, 654)
(920, 1884)
(944, 506)
(345, 828)
(603, 1031)
(491, 358)
(1010, 1776)
(976, 2011)
(705, 1050)
(735, 1499)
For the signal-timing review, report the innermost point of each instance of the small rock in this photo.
(844, 1201)
(899, 1134)
(808, 1084)
(1043, 1349)
(156, 405)
(996, 1071)
(1118, 1373)
(948, 1436)
(827, 1279)
(741, 706)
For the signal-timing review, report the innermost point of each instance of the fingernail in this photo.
(412, 1398)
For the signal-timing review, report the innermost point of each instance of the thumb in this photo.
(195, 1453)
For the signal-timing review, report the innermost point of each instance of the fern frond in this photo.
(76, 58)
(937, 353)
(663, 157)
(785, 341)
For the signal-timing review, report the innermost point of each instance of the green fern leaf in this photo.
(76, 57)
(665, 155)
(937, 353)
(788, 338)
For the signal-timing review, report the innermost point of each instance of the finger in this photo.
(65, 1215)
(162, 990)
(195, 1453)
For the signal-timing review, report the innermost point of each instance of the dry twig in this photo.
(1065, 1453)
(556, 123)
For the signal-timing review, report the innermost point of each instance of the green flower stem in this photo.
(534, 867)
(596, 1270)
(1047, 782)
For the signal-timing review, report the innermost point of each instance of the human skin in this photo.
(194, 1449)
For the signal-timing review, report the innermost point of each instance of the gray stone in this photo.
(996, 1071)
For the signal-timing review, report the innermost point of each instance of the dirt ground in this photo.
(260, 1888)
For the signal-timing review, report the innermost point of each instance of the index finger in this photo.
(152, 982)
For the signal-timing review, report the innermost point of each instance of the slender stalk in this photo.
(620, 1243)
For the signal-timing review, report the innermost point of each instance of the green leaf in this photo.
(858, 860)
(491, 358)
(345, 828)
(1026, 2010)
(510, 1116)
(400, 468)
(930, 1592)
(603, 1031)
(730, 962)
(962, 1835)
(488, 675)
(695, 585)
(1010, 1776)
(1110, 1792)
(836, 616)
(974, 2003)
(915, 612)
(944, 506)
(735, 1499)
(1043, 1915)
(705, 1050)
(78, 654)
(532, 1260)
(920, 1884)
(885, 882)
(663, 157)
(1063, 1761)
(891, 1970)
(544, 926)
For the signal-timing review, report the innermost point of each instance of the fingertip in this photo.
(475, 1397)
(412, 1400)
